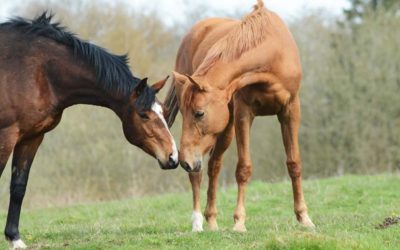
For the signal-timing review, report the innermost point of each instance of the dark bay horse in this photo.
(45, 69)
(229, 72)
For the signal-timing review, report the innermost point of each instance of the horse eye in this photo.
(199, 114)
(144, 116)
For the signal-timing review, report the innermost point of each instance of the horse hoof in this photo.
(305, 221)
(197, 229)
(17, 244)
(240, 228)
(212, 226)
(197, 222)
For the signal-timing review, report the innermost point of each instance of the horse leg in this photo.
(290, 122)
(243, 121)
(197, 217)
(214, 167)
(24, 154)
(8, 139)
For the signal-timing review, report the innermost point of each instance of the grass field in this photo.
(346, 211)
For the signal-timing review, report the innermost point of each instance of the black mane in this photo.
(112, 71)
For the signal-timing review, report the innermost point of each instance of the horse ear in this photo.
(198, 86)
(140, 87)
(181, 79)
(178, 78)
(159, 85)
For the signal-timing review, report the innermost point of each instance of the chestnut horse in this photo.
(229, 72)
(45, 69)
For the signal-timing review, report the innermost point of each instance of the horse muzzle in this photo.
(172, 163)
(195, 168)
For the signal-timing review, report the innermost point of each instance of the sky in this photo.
(172, 9)
(288, 9)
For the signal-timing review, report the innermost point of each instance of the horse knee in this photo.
(294, 168)
(243, 172)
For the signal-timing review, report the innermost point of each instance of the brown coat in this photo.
(227, 72)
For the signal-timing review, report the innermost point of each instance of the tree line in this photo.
(350, 104)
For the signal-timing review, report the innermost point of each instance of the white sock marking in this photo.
(159, 111)
(197, 222)
(17, 244)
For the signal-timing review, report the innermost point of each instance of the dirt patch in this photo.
(389, 221)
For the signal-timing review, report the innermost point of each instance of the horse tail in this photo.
(171, 103)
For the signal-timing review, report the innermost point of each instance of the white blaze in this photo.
(159, 111)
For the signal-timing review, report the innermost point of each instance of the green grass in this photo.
(345, 211)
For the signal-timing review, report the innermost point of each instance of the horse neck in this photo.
(224, 75)
(220, 76)
(80, 87)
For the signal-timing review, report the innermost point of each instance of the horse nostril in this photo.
(185, 166)
(172, 162)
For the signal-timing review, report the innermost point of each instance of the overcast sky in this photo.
(286, 8)
(171, 9)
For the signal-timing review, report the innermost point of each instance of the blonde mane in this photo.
(247, 35)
